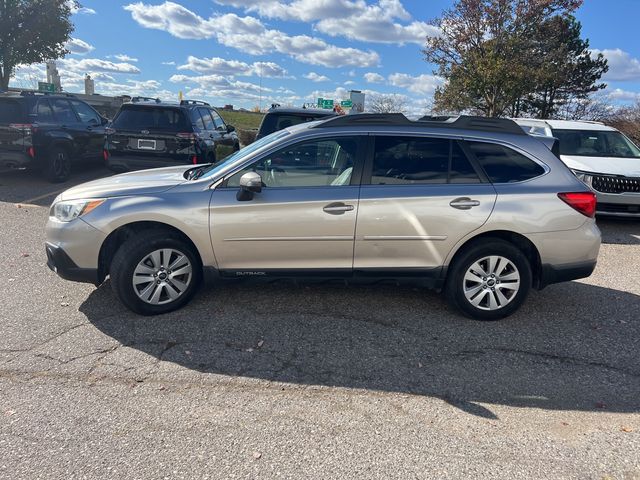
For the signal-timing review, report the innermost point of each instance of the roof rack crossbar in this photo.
(194, 102)
(462, 122)
(144, 99)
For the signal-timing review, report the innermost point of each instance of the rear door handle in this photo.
(464, 203)
(337, 208)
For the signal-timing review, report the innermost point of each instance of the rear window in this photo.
(273, 122)
(10, 111)
(503, 165)
(152, 118)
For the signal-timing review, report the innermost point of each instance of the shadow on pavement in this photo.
(620, 231)
(29, 187)
(571, 347)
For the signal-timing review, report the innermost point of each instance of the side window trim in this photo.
(370, 156)
(356, 174)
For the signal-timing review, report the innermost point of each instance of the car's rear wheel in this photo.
(155, 272)
(57, 166)
(489, 280)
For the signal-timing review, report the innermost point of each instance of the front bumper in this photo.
(61, 263)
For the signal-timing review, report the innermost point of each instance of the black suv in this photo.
(278, 118)
(151, 134)
(49, 133)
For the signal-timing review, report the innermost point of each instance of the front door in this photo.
(303, 219)
(419, 197)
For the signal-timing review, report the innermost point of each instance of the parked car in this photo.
(150, 134)
(278, 118)
(470, 205)
(49, 133)
(602, 157)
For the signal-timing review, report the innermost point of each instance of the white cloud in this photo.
(74, 9)
(247, 34)
(372, 77)
(349, 82)
(421, 84)
(220, 66)
(315, 77)
(622, 66)
(91, 65)
(168, 63)
(79, 47)
(381, 22)
(219, 86)
(620, 95)
(123, 58)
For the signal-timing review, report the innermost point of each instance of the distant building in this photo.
(53, 76)
(89, 85)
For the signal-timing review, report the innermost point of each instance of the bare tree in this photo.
(627, 120)
(387, 103)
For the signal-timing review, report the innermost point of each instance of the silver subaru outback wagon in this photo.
(470, 206)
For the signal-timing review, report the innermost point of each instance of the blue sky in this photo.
(247, 52)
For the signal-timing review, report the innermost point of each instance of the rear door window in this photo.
(420, 160)
(196, 119)
(44, 112)
(207, 119)
(63, 111)
(218, 120)
(164, 119)
(504, 165)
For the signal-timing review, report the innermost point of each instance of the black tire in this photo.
(57, 164)
(236, 147)
(133, 251)
(455, 282)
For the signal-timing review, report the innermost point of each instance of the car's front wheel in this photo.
(489, 280)
(155, 272)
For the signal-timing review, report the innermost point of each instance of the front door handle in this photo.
(464, 203)
(337, 208)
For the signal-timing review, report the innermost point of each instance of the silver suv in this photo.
(472, 206)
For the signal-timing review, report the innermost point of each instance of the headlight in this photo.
(67, 211)
(584, 176)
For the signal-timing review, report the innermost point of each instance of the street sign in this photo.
(346, 103)
(327, 104)
(46, 87)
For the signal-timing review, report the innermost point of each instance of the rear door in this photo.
(69, 122)
(420, 195)
(158, 135)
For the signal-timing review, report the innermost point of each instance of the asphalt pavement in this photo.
(312, 380)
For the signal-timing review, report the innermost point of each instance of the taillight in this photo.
(583, 202)
(105, 154)
(31, 152)
(194, 159)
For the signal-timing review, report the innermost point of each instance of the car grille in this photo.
(606, 184)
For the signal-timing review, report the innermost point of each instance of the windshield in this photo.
(212, 170)
(595, 143)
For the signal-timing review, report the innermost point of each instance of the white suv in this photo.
(600, 156)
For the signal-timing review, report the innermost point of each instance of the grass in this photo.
(242, 120)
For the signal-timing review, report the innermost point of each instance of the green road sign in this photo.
(46, 87)
(320, 100)
(326, 103)
(346, 103)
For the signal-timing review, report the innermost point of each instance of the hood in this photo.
(629, 167)
(142, 182)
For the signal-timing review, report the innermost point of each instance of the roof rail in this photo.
(144, 99)
(32, 93)
(462, 122)
(194, 102)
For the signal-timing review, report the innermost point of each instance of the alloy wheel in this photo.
(491, 282)
(162, 276)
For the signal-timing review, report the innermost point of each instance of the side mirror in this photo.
(231, 128)
(250, 183)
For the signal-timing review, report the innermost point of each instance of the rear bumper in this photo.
(125, 163)
(15, 160)
(565, 273)
(61, 263)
